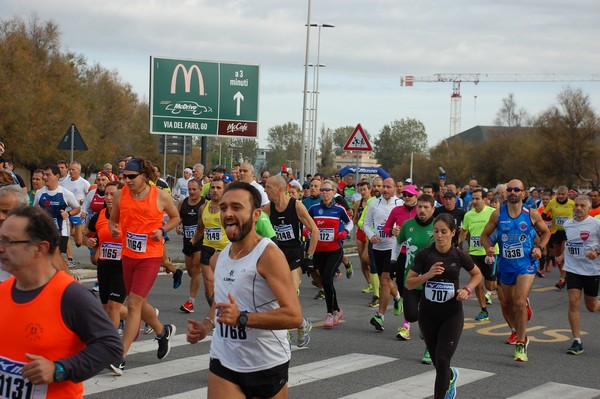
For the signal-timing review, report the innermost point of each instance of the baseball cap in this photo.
(188, 170)
(227, 178)
(411, 189)
(408, 181)
(306, 185)
(295, 183)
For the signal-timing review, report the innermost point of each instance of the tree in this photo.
(509, 115)
(396, 141)
(285, 144)
(327, 153)
(568, 135)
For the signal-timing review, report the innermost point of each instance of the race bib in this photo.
(13, 385)
(575, 248)
(380, 232)
(439, 291)
(560, 220)
(110, 251)
(326, 235)
(475, 242)
(189, 231)
(212, 233)
(284, 232)
(136, 242)
(514, 251)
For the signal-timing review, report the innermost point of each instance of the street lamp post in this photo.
(303, 141)
(315, 130)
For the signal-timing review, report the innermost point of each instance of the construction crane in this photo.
(457, 78)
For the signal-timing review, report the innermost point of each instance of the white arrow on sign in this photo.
(238, 97)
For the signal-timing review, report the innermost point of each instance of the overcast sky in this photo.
(373, 44)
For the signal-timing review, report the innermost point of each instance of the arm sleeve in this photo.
(92, 223)
(389, 222)
(89, 321)
(87, 202)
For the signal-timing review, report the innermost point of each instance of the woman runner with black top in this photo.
(441, 317)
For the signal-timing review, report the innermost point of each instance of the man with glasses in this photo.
(59, 335)
(515, 229)
(10, 197)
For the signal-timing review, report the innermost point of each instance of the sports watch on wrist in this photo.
(242, 319)
(59, 372)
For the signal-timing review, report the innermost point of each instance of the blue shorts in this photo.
(76, 220)
(509, 277)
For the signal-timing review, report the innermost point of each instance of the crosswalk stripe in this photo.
(311, 372)
(556, 390)
(139, 375)
(416, 387)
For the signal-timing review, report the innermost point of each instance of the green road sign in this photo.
(203, 98)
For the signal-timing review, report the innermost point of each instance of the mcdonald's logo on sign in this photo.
(187, 78)
(195, 97)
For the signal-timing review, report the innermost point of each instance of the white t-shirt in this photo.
(263, 194)
(79, 187)
(582, 237)
(181, 188)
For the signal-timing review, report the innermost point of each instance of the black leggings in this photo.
(441, 325)
(327, 263)
(411, 299)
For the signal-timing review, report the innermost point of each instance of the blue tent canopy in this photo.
(364, 170)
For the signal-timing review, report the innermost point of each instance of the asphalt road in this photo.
(353, 360)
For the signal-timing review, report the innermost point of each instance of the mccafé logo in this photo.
(187, 78)
(237, 127)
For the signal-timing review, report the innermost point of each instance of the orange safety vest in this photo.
(36, 327)
(138, 219)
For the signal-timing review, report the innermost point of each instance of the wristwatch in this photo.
(310, 256)
(59, 372)
(242, 319)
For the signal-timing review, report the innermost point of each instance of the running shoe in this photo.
(121, 327)
(512, 339)
(187, 307)
(374, 302)
(71, 264)
(368, 289)
(488, 298)
(337, 316)
(177, 278)
(304, 333)
(576, 348)
(349, 270)
(377, 322)
(328, 321)
(561, 284)
(338, 274)
(426, 357)
(529, 310)
(451, 393)
(521, 351)
(403, 333)
(320, 295)
(117, 369)
(482, 316)
(398, 306)
(540, 273)
(96, 287)
(164, 342)
(147, 328)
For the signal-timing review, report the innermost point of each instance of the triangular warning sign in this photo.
(358, 141)
(78, 143)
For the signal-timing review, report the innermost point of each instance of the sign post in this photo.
(72, 140)
(358, 141)
(203, 98)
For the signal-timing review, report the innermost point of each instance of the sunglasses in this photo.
(327, 189)
(515, 189)
(130, 177)
(409, 195)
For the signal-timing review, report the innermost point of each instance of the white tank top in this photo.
(247, 350)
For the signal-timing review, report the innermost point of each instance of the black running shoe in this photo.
(164, 342)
